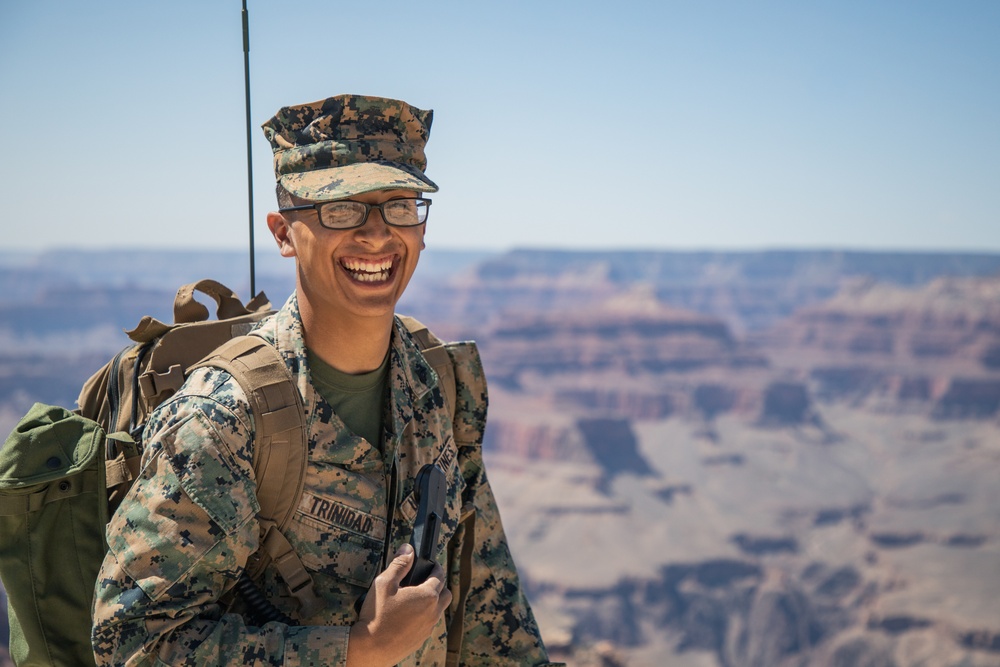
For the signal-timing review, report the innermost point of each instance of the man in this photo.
(350, 173)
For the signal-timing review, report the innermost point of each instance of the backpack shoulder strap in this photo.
(279, 420)
(280, 455)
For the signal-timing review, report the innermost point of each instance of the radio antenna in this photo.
(246, 83)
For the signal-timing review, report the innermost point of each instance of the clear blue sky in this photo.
(708, 125)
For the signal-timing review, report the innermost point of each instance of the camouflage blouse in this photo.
(182, 536)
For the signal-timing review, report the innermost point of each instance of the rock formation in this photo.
(715, 459)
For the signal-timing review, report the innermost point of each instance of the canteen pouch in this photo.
(53, 512)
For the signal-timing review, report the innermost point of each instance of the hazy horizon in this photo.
(265, 252)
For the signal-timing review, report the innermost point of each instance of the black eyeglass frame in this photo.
(368, 210)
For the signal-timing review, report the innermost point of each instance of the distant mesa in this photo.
(871, 342)
(724, 459)
(712, 573)
(966, 540)
(635, 336)
(918, 389)
(621, 402)
(983, 640)
(897, 540)
(611, 342)
(991, 357)
(669, 492)
(969, 399)
(935, 345)
(564, 510)
(857, 381)
(786, 404)
(539, 441)
(608, 442)
(947, 498)
(842, 381)
(757, 545)
(896, 625)
(834, 515)
(713, 399)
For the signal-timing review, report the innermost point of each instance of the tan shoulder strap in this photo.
(434, 351)
(280, 445)
(280, 455)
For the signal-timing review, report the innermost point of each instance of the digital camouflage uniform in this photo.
(182, 536)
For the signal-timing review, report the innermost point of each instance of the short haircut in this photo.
(284, 197)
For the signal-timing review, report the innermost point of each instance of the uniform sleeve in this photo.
(499, 626)
(180, 540)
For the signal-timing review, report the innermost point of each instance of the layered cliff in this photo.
(934, 347)
(703, 459)
(773, 502)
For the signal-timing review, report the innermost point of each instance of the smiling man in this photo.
(352, 215)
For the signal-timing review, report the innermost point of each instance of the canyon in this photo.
(702, 459)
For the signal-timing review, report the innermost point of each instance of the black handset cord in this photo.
(259, 608)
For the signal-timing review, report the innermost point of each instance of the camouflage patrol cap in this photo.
(348, 145)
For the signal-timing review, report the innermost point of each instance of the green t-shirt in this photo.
(357, 399)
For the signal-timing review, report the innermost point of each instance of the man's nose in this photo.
(374, 231)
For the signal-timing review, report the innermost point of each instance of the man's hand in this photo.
(395, 621)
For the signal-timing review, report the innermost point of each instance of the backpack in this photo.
(63, 473)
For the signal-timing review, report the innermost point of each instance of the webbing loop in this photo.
(85, 482)
(292, 571)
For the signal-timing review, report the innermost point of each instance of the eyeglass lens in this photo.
(401, 212)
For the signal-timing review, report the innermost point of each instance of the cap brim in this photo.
(355, 179)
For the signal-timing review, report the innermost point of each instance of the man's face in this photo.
(359, 272)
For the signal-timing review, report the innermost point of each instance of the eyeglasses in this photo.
(343, 214)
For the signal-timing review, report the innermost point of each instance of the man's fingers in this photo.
(436, 584)
(435, 580)
(400, 564)
(444, 601)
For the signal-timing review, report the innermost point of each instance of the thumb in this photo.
(401, 563)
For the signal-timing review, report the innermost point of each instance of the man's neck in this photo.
(350, 344)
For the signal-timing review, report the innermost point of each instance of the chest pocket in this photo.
(445, 458)
(338, 538)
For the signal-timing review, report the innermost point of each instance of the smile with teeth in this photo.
(368, 271)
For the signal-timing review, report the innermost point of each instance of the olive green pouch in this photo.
(53, 511)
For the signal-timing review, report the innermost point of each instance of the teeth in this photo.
(367, 267)
(368, 272)
(370, 277)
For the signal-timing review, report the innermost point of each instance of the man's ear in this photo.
(281, 230)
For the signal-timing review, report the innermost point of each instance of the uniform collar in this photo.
(410, 376)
